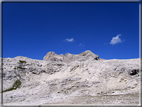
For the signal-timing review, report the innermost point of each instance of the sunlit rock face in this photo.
(70, 79)
(52, 56)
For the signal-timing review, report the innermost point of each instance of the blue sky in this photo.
(110, 30)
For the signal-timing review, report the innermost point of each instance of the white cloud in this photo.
(81, 45)
(116, 40)
(70, 40)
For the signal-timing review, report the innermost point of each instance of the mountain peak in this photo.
(52, 56)
(86, 52)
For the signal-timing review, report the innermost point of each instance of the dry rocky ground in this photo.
(71, 79)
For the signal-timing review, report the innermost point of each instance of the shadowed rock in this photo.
(134, 72)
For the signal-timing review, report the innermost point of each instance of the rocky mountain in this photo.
(52, 56)
(70, 79)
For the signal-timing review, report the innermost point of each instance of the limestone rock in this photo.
(71, 57)
(52, 56)
(69, 77)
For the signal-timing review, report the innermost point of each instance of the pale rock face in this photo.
(53, 57)
(70, 57)
(48, 81)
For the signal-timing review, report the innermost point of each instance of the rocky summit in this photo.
(70, 79)
(52, 56)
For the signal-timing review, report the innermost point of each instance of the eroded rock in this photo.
(49, 80)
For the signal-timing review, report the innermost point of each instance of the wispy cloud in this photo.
(69, 40)
(115, 40)
(81, 45)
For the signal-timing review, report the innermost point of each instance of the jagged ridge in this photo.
(70, 57)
